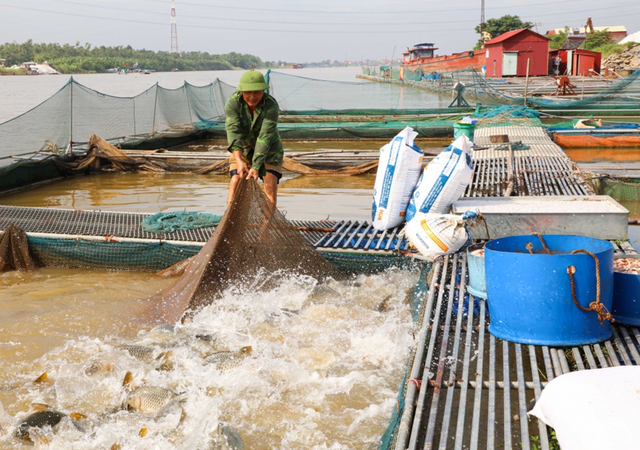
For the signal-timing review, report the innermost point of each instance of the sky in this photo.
(295, 31)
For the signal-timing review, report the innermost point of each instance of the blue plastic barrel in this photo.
(626, 298)
(529, 295)
(475, 264)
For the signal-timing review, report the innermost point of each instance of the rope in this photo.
(529, 245)
(51, 147)
(596, 306)
(542, 242)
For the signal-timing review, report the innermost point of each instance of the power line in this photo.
(404, 30)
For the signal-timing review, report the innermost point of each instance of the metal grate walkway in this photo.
(347, 235)
(470, 390)
(543, 169)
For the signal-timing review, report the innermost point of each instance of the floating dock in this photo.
(465, 389)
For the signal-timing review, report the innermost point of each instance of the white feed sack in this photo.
(398, 172)
(593, 409)
(436, 234)
(444, 180)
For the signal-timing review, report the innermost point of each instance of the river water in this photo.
(326, 362)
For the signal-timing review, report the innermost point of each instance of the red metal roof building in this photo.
(507, 54)
(575, 62)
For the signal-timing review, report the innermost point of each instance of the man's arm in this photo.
(233, 127)
(266, 136)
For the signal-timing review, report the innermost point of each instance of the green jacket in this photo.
(258, 140)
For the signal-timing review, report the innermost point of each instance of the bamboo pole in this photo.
(526, 84)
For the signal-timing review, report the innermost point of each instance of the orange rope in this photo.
(596, 306)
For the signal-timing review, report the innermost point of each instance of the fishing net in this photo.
(14, 250)
(252, 248)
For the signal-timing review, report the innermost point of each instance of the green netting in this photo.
(368, 264)
(78, 253)
(179, 220)
(155, 256)
(623, 94)
(416, 298)
(76, 112)
(28, 171)
(297, 94)
(622, 191)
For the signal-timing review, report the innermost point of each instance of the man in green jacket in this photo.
(252, 134)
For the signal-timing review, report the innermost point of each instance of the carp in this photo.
(152, 401)
(228, 360)
(230, 437)
(47, 418)
(141, 352)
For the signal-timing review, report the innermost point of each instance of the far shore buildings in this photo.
(618, 32)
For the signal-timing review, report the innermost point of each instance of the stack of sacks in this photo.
(443, 181)
(398, 195)
(398, 172)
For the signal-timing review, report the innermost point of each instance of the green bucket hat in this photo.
(252, 81)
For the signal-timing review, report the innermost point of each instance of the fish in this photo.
(128, 380)
(228, 360)
(384, 304)
(151, 400)
(163, 328)
(166, 361)
(41, 419)
(98, 367)
(141, 352)
(230, 436)
(42, 378)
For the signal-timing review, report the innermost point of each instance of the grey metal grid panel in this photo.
(548, 149)
(475, 389)
(90, 223)
(346, 235)
(534, 176)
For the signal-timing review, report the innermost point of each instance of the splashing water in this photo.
(323, 372)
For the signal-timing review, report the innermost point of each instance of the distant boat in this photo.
(114, 70)
(422, 58)
(296, 66)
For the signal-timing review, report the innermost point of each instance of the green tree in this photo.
(558, 39)
(597, 39)
(86, 58)
(496, 27)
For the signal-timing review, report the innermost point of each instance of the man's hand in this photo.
(241, 166)
(253, 173)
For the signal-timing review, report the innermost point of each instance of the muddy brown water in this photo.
(325, 368)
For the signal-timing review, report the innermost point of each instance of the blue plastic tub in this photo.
(626, 298)
(477, 280)
(529, 295)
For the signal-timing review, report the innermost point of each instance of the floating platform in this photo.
(469, 390)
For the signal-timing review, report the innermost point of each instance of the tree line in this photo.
(87, 59)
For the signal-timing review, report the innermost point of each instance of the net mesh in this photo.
(252, 248)
(76, 112)
(311, 108)
(621, 190)
(14, 250)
